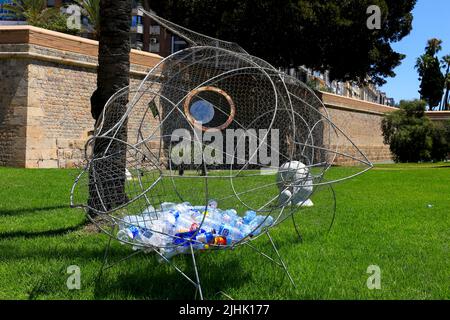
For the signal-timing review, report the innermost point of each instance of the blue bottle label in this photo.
(134, 231)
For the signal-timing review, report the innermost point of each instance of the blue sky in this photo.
(431, 20)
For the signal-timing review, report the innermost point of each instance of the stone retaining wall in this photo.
(47, 79)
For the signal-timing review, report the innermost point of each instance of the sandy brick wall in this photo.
(13, 112)
(47, 80)
(364, 130)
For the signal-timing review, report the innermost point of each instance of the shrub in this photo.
(441, 141)
(413, 137)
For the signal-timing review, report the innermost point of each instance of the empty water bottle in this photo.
(231, 232)
(212, 204)
(246, 230)
(127, 234)
(249, 216)
(207, 237)
(166, 206)
(185, 223)
(230, 217)
(259, 223)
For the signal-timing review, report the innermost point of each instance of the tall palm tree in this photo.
(434, 46)
(446, 101)
(91, 9)
(113, 74)
(34, 12)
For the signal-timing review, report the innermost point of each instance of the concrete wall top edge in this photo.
(65, 42)
(341, 102)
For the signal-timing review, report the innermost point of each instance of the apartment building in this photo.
(145, 34)
(321, 81)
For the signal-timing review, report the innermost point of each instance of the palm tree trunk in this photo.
(107, 176)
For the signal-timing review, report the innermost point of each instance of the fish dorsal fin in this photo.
(192, 37)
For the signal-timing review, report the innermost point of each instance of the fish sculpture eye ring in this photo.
(195, 123)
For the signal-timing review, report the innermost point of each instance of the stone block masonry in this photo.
(46, 81)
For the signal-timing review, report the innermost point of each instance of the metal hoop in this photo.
(195, 123)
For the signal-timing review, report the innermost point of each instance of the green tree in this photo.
(441, 141)
(412, 136)
(434, 45)
(408, 132)
(322, 35)
(91, 9)
(36, 13)
(446, 99)
(431, 79)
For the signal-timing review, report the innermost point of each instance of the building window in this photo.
(155, 30)
(178, 44)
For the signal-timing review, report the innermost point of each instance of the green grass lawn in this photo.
(383, 218)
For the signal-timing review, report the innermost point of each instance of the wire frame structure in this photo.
(212, 122)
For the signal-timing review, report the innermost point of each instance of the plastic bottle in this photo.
(128, 234)
(206, 237)
(166, 206)
(231, 232)
(238, 222)
(230, 217)
(259, 223)
(183, 207)
(185, 223)
(197, 214)
(146, 233)
(122, 236)
(161, 230)
(249, 216)
(212, 226)
(172, 252)
(213, 204)
(186, 238)
(246, 230)
(208, 220)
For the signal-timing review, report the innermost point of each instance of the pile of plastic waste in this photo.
(174, 228)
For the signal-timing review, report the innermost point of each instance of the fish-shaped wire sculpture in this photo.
(211, 126)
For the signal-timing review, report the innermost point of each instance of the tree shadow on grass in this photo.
(23, 211)
(143, 276)
(146, 278)
(46, 233)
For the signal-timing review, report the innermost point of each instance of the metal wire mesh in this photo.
(213, 92)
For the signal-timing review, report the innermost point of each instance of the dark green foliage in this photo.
(446, 100)
(441, 141)
(36, 13)
(412, 136)
(430, 74)
(323, 35)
